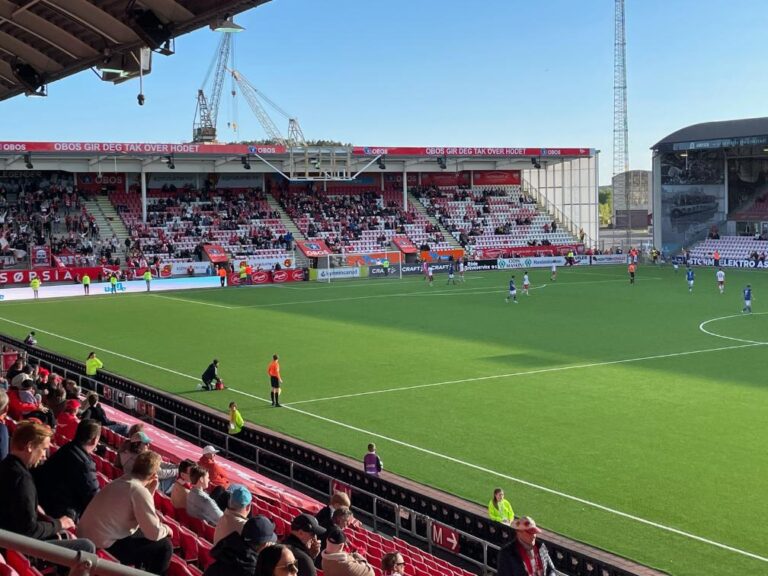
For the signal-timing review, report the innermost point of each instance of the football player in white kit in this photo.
(720, 280)
(553, 272)
(526, 283)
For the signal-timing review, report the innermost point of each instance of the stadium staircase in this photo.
(563, 222)
(416, 205)
(108, 221)
(301, 260)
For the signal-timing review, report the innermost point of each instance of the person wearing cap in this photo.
(237, 553)
(524, 556)
(199, 504)
(217, 477)
(122, 518)
(31, 339)
(499, 508)
(67, 481)
(137, 444)
(237, 512)
(336, 560)
(66, 423)
(303, 542)
(211, 373)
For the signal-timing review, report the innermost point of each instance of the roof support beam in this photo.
(29, 54)
(86, 14)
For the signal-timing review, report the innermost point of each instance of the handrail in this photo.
(558, 214)
(79, 563)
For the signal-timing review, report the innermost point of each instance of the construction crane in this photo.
(256, 100)
(207, 110)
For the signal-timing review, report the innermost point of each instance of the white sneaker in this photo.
(199, 385)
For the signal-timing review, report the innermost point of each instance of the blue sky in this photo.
(441, 73)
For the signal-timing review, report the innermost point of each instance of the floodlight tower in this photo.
(620, 130)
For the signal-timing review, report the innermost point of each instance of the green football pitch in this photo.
(633, 418)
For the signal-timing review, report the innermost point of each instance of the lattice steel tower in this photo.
(620, 139)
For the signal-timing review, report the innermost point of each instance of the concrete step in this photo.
(419, 207)
(290, 225)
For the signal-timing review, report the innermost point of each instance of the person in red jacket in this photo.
(16, 407)
(66, 423)
(218, 483)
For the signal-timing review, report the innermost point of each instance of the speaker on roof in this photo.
(149, 28)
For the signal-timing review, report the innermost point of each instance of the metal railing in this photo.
(79, 563)
(391, 506)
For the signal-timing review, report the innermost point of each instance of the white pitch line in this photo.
(527, 373)
(444, 456)
(533, 485)
(701, 327)
(195, 302)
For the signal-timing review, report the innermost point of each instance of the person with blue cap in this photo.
(236, 554)
(237, 513)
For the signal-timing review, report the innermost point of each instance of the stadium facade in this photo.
(710, 180)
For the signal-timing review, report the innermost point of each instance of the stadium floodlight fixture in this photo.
(28, 161)
(226, 25)
(536, 163)
(380, 162)
(246, 162)
(169, 160)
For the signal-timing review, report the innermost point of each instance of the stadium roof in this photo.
(42, 41)
(709, 135)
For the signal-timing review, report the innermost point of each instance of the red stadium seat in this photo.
(189, 545)
(204, 553)
(178, 567)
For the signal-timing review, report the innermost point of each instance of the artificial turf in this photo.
(603, 409)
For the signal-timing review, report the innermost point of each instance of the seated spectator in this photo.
(199, 504)
(236, 554)
(277, 560)
(181, 486)
(122, 518)
(338, 499)
(3, 427)
(303, 542)
(337, 562)
(217, 478)
(31, 339)
(66, 423)
(137, 444)
(94, 411)
(499, 508)
(392, 564)
(524, 555)
(237, 512)
(21, 512)
(67, 481)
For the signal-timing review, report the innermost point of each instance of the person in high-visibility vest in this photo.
(275, 380)
(236, 421)
(631, 271)
(222, 276)
(113, 283)
(92, 364)
(35, 285)
(243, 274)
(86, 284)
(148, 278)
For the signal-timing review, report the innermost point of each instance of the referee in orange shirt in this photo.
(275, 381)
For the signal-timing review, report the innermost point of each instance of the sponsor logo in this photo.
(325, 273)
(119, 287)
(260, 277)
(280, 276)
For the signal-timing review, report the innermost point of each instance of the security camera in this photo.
(140, 99)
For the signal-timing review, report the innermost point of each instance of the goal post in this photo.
(384, 265)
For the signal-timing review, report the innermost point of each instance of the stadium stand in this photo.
(179, 221)
(356, 219)
(735, 247)
(191, 538)
(497, 217)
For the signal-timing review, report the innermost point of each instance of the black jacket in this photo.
(233, 557)
(67, 482)
(211, 373)
(306, 564)
(96, 413)
(511, 564)
(18, 502)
